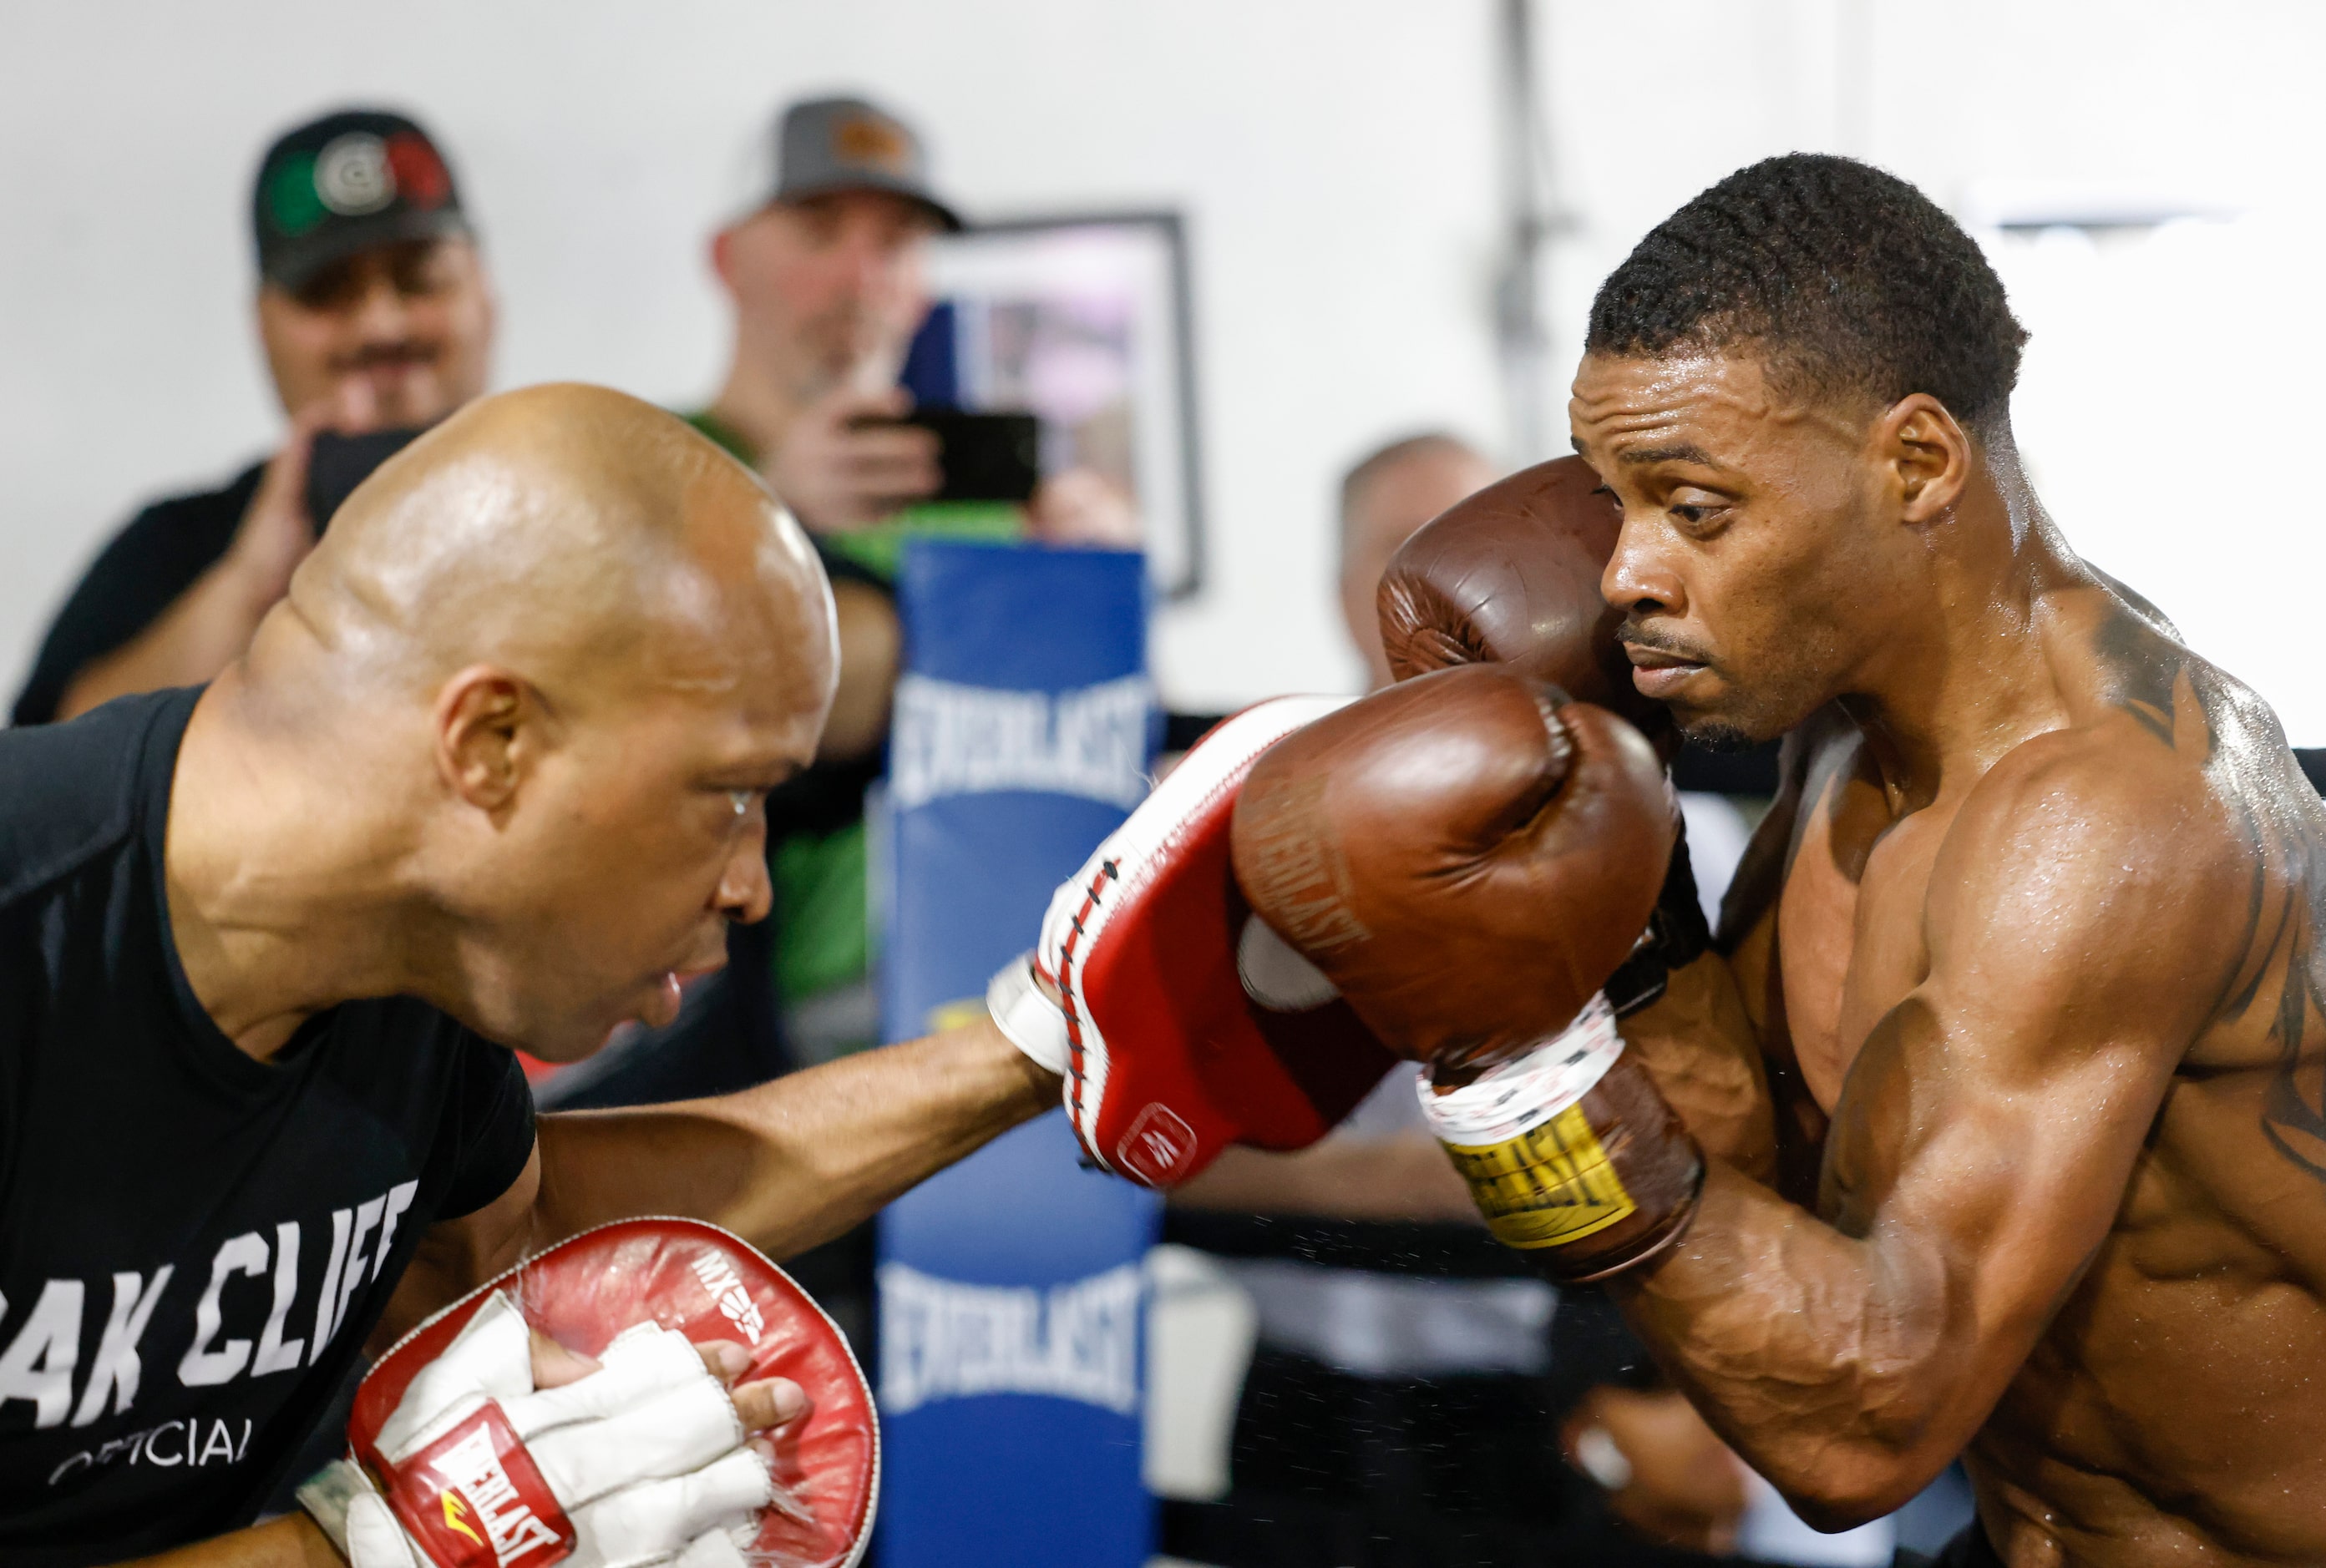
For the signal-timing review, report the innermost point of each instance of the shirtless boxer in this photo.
(494, 771)
(2027, 945)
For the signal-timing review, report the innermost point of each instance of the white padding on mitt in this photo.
(1034, 1024)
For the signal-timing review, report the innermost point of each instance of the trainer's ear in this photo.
(489, 729)
(1927, 454)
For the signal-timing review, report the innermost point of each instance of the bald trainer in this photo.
(492, 774)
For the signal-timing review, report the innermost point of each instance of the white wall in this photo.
(1336, 161)
(1333, 157)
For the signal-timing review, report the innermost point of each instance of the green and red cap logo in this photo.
(345, 182)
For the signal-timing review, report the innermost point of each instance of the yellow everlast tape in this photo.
(1547, 1187)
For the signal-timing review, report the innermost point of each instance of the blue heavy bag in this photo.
(1010, 1359)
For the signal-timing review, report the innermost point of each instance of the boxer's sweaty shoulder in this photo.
(2156, 746)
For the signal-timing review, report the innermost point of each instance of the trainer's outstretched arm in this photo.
(796, 1161)
(786, 1166)
(1990, 1125)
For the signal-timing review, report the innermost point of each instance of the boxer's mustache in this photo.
(1636, 635)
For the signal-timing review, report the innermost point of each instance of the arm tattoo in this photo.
(2283, 822)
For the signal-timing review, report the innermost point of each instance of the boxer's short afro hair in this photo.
(1844, 280)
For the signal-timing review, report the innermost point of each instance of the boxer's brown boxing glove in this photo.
(1469, 855)
(1510, 575)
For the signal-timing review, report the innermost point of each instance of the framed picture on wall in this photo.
(1082, 321)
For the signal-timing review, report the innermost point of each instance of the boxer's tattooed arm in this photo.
(2278, 981)
(2293, 1109)
(2281, 976)
(2243, 750)
(2149, 669)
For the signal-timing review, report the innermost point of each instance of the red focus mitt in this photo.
(1180, 1023)
(456, 1460)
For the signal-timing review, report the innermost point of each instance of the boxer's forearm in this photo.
(1700, 1047)
(1830, 1363)
(799, 1159)
(292, 1542)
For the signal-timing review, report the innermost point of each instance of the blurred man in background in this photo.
(828, 275)
(1384, 500)
(827, 269)
(374, 311)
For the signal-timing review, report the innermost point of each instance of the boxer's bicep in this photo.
(2074, 953)
(1993, 1118)
(1981, 1172)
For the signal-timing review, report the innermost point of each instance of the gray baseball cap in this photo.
(825, 145)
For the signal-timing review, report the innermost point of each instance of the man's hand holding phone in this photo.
(279, 528)
(210, 623)
(845, 465)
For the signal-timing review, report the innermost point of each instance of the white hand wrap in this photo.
(1513, 1097)
(646, 1455)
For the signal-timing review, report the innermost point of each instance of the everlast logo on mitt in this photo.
(1157, 1144)
(475, 1500)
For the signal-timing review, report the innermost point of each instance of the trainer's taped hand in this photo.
(641, 1462)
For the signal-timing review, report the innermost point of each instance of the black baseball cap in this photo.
(347, 182)
(823, 146)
